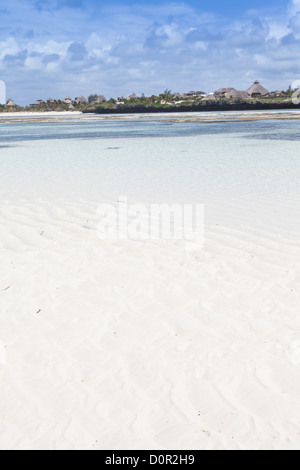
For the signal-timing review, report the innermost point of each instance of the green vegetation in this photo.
(92, 98)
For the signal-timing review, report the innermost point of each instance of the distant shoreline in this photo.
(39, 114)
(213, 114)
(139, 109)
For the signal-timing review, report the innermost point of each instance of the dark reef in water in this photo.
(258, 106)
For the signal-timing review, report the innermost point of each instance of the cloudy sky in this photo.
(59, 47)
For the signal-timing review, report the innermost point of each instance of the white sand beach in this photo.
(139, 344)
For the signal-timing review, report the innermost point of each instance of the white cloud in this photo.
(51, 47)
(278, 29)
(135, 73)
(200, 45)
(34, 63)
(295, 25)
(9, 47)
(294, 7)
(52, 67)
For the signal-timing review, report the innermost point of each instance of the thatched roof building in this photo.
(81, 100)
(36, 103)
(100, 99)
(10, 103)
(68, 100)
(237, 94)
(223, 91)
(257, 90)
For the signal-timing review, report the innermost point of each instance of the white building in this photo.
(2, 92)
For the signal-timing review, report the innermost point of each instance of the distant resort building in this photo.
(233, 93)
(68, 100)
(222, 92)
(237, 94)
(36, 103)
(10, 103)
(100, 99)
(257, 90)
(81, 100)
(279, 94)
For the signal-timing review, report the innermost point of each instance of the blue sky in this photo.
(59, 47)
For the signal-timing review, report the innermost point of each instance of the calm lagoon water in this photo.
(252, 166)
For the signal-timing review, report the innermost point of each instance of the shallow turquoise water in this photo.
(254, 166)
(29, 129)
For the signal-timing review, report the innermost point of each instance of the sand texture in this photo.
(139, 345)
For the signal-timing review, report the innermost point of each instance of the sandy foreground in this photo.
(141, 345)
